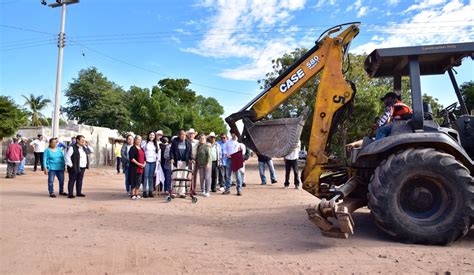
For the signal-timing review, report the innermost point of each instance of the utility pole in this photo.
(61, 38)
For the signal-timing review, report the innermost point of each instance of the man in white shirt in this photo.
(230, 147)
(38, 146)
(77, 161)
(291, 162)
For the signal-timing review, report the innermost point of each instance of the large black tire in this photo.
(422, 196)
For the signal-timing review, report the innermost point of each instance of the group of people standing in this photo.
(149, 163)
(54, 158)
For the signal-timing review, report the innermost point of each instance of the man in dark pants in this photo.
(38, 146)
(77, 161)
(291, 162)
(216, 156)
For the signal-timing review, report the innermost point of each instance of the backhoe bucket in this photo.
(273, 138)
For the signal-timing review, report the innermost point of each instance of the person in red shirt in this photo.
(395, 109)
(13, 155)
(136, 155)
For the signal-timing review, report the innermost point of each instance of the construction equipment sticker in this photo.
(312, 62)
(292, 80)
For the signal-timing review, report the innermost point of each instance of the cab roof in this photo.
(433, 59)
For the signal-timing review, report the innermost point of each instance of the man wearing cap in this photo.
(395, 109)
(13, 155)
(216, 156)
(24, 147)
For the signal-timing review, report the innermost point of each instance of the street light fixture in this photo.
(61, 38)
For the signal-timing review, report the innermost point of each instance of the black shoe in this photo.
(52, 195)
(145, 195)
(150, 194)
(80, 195)
(274, 181)
(244, 185)
(226, 192)
(239, 193)
(263, 183)
(62, 194)
(233, 183)
(71, 196)
(213, 190)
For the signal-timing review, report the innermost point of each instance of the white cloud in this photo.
(247, 30)
(450, 23)
(362, 11)
(425, 4)
(322, 3)
(393, 2)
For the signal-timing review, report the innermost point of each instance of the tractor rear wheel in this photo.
(422, 196)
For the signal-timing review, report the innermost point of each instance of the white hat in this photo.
(191, 131)
(159, 132)
(212, 134)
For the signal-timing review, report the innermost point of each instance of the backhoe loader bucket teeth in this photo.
(273, 138)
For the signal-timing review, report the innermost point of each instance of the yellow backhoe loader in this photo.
(417, 181)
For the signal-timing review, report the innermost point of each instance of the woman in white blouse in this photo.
(152, 158)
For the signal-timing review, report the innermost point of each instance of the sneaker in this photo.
(239, 193)
(263, 183)
(244, 185)
(207, 195)
(221, 189)
(138, 197)
(203, 193)
(274, 181)
(52, 195)
(286, 187)
(134, 197)
(226, 192)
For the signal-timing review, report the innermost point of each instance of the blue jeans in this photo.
(148, 176)
(383, 131)
(127, 181)
(167, 173)
(261, 169)
(228, 180)
(21, 167)
(60, 175)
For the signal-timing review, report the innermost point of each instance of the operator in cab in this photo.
(395, 109)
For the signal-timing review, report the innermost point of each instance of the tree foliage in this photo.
(467, 91)
(11, 116)
(35, 105)
(170, 105)
(94, 100)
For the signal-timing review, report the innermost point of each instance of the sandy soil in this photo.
(264, 231)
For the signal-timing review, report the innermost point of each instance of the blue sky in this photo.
(223, 47)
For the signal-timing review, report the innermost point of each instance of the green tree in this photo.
(11, 116)
(171, 105)
(467, 91)
(36, 104)
(94, 100)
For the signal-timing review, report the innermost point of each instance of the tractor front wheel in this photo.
(422, 196)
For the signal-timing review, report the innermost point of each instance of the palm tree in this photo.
(36, 104)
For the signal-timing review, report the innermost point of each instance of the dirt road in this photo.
(264, 231)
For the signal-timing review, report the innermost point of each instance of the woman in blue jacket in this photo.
(54, 167)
